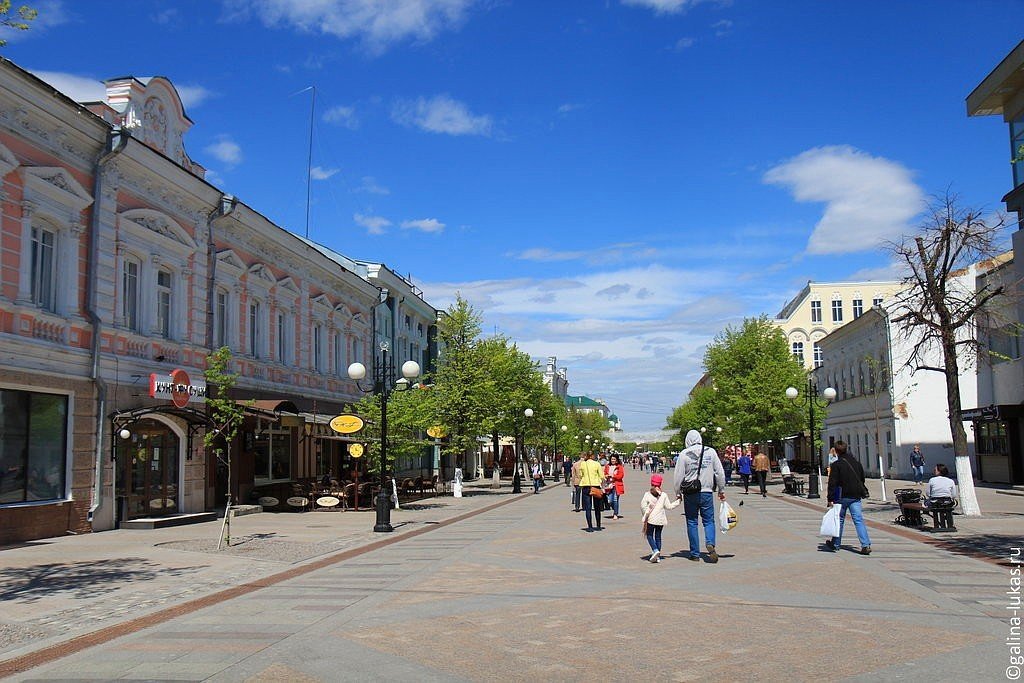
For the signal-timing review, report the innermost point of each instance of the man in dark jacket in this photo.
(846, 488)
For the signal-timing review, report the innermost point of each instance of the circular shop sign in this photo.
(327, 501)
(347, 423)
(355, 450)
(268, 501)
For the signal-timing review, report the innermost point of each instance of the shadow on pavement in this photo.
(995, 546)
(80, 579)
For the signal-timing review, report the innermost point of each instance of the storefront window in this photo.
(33, 446)
(273, 456)
(991, 438)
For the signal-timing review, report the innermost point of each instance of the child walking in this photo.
(653, 506)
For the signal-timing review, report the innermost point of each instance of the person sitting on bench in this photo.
(940, 485)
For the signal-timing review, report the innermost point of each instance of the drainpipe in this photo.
(117, 139)
(224, 209)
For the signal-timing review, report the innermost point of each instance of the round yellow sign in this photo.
(436, 432)
(356, 449)
(347, 424)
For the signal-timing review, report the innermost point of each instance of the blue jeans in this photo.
(536, 485)
(918, 473)
(704, 505)
(853, 505)
(613, 501)
(591, 503)
(654, 536)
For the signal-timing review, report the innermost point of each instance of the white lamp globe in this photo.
(124, 433)
(792, 393)
(829, 393)
(410, 369)
(357, 371)
(528, 412)
(564, 428)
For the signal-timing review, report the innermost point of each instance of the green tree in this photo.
(227, 415)
(25, 14)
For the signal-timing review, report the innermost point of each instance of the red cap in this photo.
(656, 479)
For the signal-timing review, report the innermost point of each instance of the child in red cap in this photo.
(653, 506)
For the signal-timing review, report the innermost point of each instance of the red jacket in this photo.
(620, 473)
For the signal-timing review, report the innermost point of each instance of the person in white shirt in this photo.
(940, 485)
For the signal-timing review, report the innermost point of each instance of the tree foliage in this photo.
(25, 15)
(939, 304)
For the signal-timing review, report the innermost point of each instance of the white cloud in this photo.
(441, 114)
(342, 116)
(225, 150)
(78, 88)
(192, 95)
(168, 17)
(424, 224)
(564, 109)
(661, 6)
(722, 27)
(868, 199)
(378, 25)
(370, 185)
(320, 173)
(682, 44)
(375, 225)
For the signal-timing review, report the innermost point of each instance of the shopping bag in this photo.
(830, 522)
(727, 517)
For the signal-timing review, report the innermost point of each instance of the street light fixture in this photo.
(516, 479)
(383, 385)
(811, 399)
(554, 453)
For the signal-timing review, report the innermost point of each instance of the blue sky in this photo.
(609, 181)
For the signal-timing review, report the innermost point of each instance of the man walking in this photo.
(701, 463)
(761, 468)
(566, 468)
(846, 488)
(917, 463)
(574, 477)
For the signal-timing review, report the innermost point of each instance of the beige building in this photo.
(822, 307)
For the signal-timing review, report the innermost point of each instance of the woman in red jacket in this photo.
(614, 473)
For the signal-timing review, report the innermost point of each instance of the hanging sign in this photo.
(347, 424)
(356, 450)
(178, 387)
(436, 432)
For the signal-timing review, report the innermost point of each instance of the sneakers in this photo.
(655, 557)
(866, 550)
(712, 555)
(693, 558)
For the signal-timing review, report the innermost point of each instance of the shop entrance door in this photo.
(149, 475)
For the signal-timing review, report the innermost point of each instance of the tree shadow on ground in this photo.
(993, 546)
(80, 579)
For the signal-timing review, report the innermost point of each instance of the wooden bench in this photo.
(792, 485)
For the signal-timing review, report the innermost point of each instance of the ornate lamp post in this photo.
(811, 399)
(554, 454)
(516, 478)
(705, 430)
(383, 384)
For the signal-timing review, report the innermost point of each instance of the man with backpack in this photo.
(698, 473)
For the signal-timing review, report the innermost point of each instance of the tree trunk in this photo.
(964, 474)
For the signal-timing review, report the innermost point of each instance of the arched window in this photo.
(798, 351)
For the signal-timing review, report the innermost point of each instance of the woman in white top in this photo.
(940, 485)
(653, 506)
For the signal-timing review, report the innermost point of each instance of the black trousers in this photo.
(762, 480)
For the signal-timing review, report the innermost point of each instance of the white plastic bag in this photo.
(830, 522)
(727, 517)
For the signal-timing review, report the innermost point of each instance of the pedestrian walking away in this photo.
(614, 474)
(575, 479)
(727, 465)
(744, 464)
(591, 491)
(700, 463)
(762, 467)
(566, 469)
(846, 488)
(653, 506)
(917, 463)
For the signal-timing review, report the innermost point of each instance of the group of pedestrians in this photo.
(597, 487)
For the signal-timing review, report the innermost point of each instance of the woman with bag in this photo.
(653, 506)
(614, 487)
(592, 489)
(538, 475)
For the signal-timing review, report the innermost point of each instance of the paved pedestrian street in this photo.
(521, 592)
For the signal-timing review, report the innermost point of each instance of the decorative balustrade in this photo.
(49, 330)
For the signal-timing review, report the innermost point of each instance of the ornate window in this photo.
(163, 303)
(284, 347)
(815, 311)
(130, 293)
(837, 310)
(220, 318)
(255, 328)
(798, 351)
(340, 366)
(43, 243)
(318, 334)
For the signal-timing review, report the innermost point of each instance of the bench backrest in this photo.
(907, 495)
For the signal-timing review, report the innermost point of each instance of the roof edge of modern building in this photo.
(985, 99)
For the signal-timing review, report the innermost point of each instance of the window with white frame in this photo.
(318, 333)
(42, 267)
(220, 318)
(130, 293)
(798, 351)
(340, 366)
(284, 355)
(255, 328)
(837, 310)
(819, 356)
(815, 311)
(858, 308)
(877, 302)
(163, 303)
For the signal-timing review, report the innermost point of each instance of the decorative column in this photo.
(69, 248)
(24, 297)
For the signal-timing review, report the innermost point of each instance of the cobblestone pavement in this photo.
(522, 593)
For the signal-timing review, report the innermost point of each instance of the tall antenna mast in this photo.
(309, 160)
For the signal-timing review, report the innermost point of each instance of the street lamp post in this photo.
(554, 453)
(811, 398)
(516, 479)
(383, 384)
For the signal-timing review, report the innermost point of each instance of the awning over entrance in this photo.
(196, 421)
